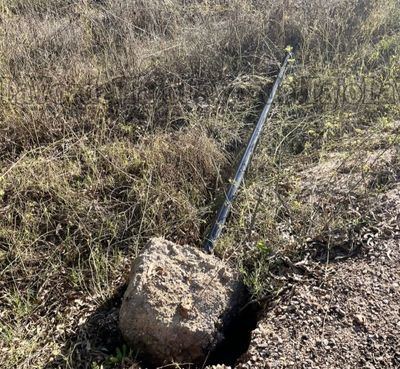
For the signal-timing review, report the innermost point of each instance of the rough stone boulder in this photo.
(178, 302)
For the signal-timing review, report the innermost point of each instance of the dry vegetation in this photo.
(121, 120)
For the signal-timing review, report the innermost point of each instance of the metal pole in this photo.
(234, 187)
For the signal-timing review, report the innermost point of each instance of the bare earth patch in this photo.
(347, 315)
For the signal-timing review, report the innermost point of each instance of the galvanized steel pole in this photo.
(234, 187)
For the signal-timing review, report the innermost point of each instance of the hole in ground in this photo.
(237, 337)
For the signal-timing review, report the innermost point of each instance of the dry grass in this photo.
(122, 120)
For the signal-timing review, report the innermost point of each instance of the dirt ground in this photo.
(344, 313)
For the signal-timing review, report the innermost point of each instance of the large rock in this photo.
(178, 302)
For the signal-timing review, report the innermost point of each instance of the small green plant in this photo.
(263, 248)
(121, 354)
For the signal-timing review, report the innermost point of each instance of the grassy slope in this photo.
(120, 120)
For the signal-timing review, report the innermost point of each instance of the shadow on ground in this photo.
(94, 341)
